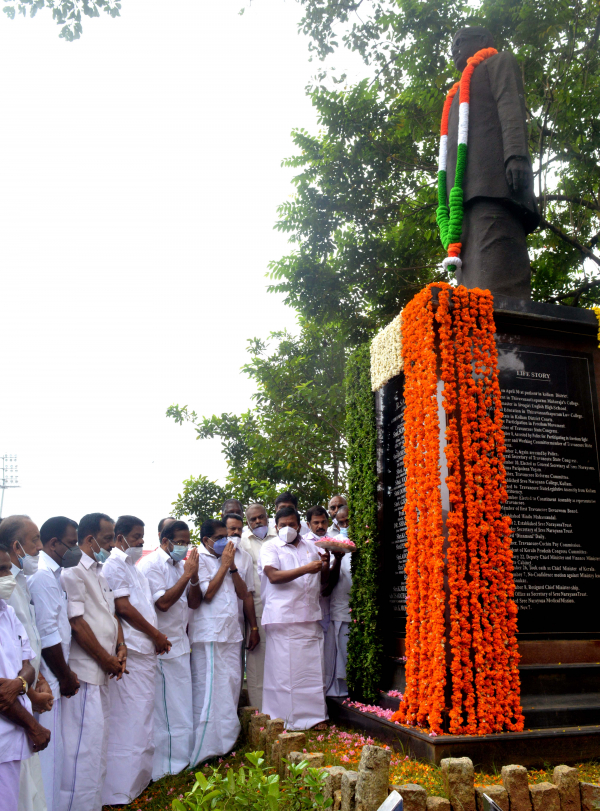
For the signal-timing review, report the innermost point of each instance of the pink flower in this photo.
(180, 797)
(345, 759)
(220, 760)
(304, 750)
(319, 738)
(233, 754)
(433, 734)
(262, 729)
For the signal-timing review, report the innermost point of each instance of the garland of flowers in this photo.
(365, 648)
(483, 655)
(450, 216)
(597, 312)
(386, 354)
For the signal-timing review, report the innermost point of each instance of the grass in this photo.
(341, 747)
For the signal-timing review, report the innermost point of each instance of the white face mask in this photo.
(287, 534)
(135, 553)
(260, 532)
(30, 564)
(7, 586)
(234, 540)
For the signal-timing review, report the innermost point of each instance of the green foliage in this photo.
(67, 13)
(255, 788)
(293, 437)
(200, 499)
(364, 645)
(363, 219)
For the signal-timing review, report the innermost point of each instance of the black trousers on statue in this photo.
(494, 253)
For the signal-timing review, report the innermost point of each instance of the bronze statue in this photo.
(500, 206)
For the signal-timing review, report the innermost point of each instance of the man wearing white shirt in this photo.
(20, 733)
(131, 735)
(20, 537)
(335, 502)
(225, 575)
(175, 589)
(258, 533)
(339, 627)
(97, 652)
(288, 499)
(58, 535)
(292, 575)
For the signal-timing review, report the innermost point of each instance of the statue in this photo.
(500, 207)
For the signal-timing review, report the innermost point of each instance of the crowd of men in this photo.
(118, 667)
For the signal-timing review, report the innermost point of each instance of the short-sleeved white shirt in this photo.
(20, 600)
(324, 602)
(14, 648)
(126, 580)
(340, 596)
(163, 573)
(218, 620)
(252, 544)
(297, 601)
(50, 601)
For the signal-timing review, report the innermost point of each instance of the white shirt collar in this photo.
(14, 570)
(165, 556)
(202, 550)
(277, 540)
(120, 555)
(87, 562)
(48, 562)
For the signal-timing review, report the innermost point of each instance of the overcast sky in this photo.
(138, 190)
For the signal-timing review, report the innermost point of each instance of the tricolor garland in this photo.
(450, 217)
(479, 645)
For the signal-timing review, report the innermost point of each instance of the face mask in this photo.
(134, 552)
(260, 532)
(344, 532)
(102, 556)
(179, 551)
(30, 564)
(287, 534)
(220, 545)
(71, 557)
(7, 586)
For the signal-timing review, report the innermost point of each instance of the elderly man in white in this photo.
(20, 537)
(59, 541)
(292, 575)
(256, 535)
(97, 653)
(175, 589)
(131, 735)
(20, 733)
(225, 575)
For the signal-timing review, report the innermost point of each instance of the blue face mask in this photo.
(179, 551)
(344, 532)
(220, 545)
(102, 556)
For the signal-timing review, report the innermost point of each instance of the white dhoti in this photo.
(255, 669)
(31, 785)
(216, 681)
(336, 682)
(173, 725)
(9, 784)
(85, 719)
(293, 686)
(131, 734)
(52, 757)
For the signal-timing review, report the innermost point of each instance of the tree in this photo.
(200, 499)
(363, 219)
(293, 437)
(67, 13)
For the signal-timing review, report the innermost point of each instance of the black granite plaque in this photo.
(393, 522)
(550, 424)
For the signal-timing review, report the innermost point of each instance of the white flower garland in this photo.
(386, 354)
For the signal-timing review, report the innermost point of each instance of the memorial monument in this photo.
(489, 462)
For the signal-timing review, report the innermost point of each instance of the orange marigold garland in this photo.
(482, 656)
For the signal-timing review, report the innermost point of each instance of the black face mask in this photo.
(71, 557)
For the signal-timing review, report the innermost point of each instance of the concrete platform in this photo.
(532, 748)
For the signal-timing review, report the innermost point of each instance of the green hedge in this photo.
(364, 646)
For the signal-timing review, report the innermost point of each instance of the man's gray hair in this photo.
(9, 530)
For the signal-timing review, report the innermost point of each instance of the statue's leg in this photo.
(494, 252)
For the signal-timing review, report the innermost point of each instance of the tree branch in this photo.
(578, 201)
(576, 293)
(582, 248)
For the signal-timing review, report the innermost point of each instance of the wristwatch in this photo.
(25, 687)
(232, 571)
